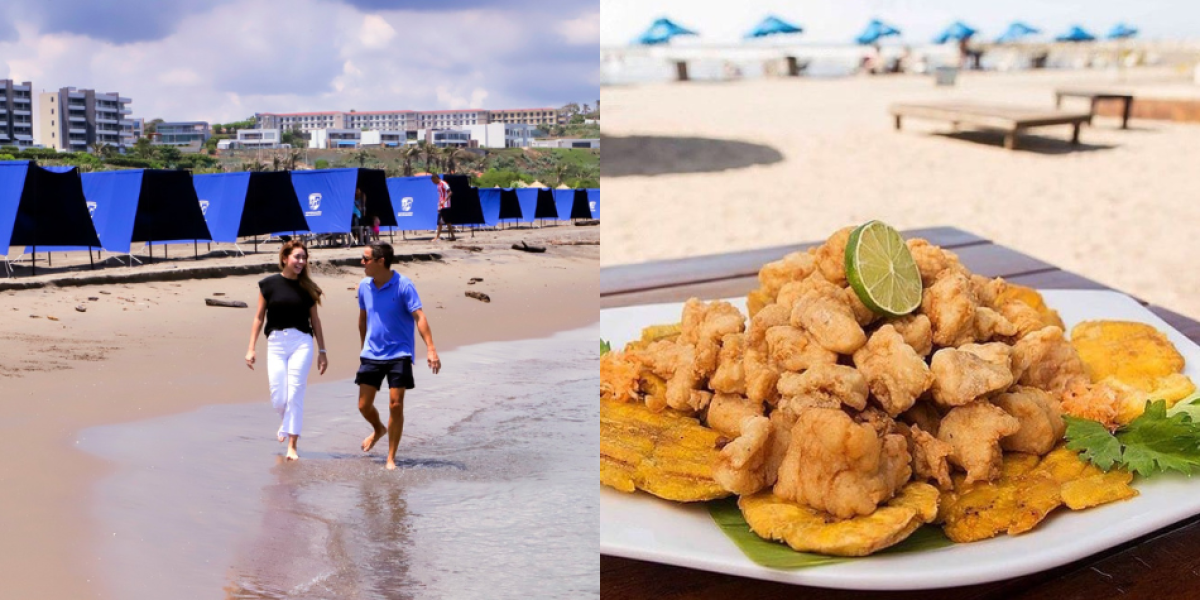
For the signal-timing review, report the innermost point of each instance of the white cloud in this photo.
(376, 32)
(582, 30)
(180, 77)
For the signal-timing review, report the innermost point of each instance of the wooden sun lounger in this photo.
(1009, 119)
(1095, 96)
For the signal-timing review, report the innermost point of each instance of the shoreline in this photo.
(195, 354)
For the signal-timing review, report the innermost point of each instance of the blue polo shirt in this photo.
(390, 322)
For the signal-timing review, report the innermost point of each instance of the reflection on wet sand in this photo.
(494, 495)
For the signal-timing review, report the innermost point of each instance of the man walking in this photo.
(389, 307)
(443, 190)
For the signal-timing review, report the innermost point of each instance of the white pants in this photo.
(289, 357)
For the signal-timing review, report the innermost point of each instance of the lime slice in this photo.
(881, 270)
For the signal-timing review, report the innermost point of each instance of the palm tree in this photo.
(143, 149)
(409, 154)
(361, 156)
(456, 156)
(430, 152)
(102, 149)
(561, 172)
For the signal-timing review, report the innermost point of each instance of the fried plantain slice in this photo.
(1026, 492)
(1033, 298)
(1136, 360)
(808, 530)
(1095, 487)
(665, 454)
(668, 331)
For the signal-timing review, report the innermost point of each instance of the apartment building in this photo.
(305, 122)
(16, 113)
(501, 135)
(592, 143)
(386, 139)
(530, 116)
(335, 138)
(187, 136)
(73, 120)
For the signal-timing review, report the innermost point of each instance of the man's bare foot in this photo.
(375, 436)
(391, 465)
(291, 454)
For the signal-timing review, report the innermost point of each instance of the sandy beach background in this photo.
(148, 350)
(704, 168)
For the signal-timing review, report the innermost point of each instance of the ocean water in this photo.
(495, 495)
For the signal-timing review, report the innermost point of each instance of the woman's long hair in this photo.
(306, 282)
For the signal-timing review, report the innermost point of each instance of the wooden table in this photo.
(1095, 96)
(1164, 565)
(1010, 120)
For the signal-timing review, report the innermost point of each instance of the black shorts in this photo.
(399, 373)
(443, 215)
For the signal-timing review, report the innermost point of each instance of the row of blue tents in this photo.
(662, 30)
(59, 209)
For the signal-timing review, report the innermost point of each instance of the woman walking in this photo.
(288, 301)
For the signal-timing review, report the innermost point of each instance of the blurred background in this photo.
(730, 127)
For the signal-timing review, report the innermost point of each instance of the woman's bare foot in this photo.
(281, 437)
(391, 465)
(291, 454)
(370, 440)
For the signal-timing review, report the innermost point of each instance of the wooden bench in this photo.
(1009, 119)
(1095, 96)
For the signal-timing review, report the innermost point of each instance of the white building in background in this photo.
(501, 135)
(444, 138)
(592, 143)
(334, 138)
(259, 138)
(385, 139)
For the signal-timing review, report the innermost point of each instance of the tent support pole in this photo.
(165, 251)
(90, 261)
(49, 259)
(34, 259)
(256, 244)
(195, 250)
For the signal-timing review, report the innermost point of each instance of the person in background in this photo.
(443, 190)
(288, 300)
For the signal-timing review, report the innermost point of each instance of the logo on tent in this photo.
(405, 207)
(592, 205)
(314, 203)
(204, 207)
(91, 209)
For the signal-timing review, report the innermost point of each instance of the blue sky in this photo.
(838, 21)
(223, 60)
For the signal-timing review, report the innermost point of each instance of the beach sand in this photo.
(706, 168)
(147, 350)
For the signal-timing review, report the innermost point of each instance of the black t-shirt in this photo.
(288, 305)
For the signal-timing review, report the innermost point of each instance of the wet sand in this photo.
(153, 349)
(493, 498)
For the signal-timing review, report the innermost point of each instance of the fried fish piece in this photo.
(809, 530)
(663, 453)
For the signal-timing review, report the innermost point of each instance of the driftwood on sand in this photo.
(227, 303)
(527, 248)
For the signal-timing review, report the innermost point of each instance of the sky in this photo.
(224, 60)
(839, 21)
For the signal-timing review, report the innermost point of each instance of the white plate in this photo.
(642, 527)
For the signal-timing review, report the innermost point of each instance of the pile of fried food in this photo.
(843, 431)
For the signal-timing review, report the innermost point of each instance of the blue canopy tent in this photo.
(42, 207)
(245, 204)
(327, 198)
(142, 205)
(594, 202)
(572, 204)
(1075, 34)
(464, 202)
(1121, 31)
(528, 200)
(415, 200)
(1016, 32)
(510, 206)
(660, 32)
(875, 31)
(545, 207)
(772, 25)
(489, 205)
(955, 31)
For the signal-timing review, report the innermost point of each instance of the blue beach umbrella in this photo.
(1121, 31)
(875, 30)
(1016, 32)
(956, 31)
(661, 31)
(1075, 34)
(772, 25)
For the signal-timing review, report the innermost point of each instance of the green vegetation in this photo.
(105, 158)
(1154, 442)
(321, 164)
